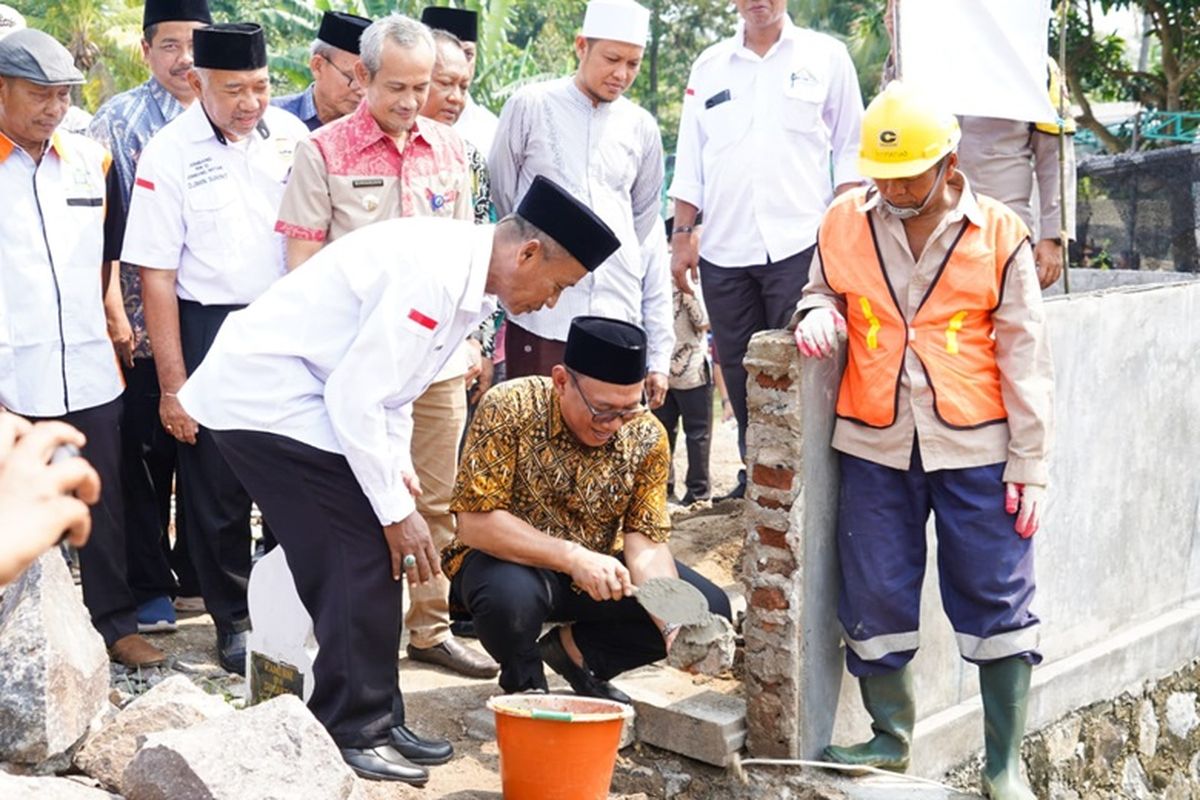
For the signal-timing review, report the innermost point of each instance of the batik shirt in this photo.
(521, 457)
(350, 174)
(124, 125)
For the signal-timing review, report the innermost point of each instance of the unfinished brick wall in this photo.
(788, 619)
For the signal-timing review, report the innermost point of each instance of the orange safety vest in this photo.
(951, 332)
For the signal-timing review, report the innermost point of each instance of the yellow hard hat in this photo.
(904, 133)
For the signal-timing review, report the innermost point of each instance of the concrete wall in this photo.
(1118, 555)
(1094, 280)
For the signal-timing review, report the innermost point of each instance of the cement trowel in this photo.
(673, 600)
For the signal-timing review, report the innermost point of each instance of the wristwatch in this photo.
(670, 628)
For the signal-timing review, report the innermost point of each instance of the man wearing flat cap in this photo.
(476, 124)
(309, 394)
(381, 162)
(335, 90)
(54, 348)
(201, 228)
(125, 124)
(562, 510)
(584, 133)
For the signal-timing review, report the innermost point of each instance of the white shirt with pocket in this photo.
(55, 354)
(333, 354)
(208, 209)
(763, 142)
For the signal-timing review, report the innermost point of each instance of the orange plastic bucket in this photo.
(557, 747)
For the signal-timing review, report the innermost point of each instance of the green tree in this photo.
(102, 36)
(859, 24)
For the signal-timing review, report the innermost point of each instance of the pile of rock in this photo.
(175, 741)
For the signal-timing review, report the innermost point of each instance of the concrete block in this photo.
(678, 715)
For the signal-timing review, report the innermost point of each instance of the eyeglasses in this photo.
(349, 76)
(605, 417)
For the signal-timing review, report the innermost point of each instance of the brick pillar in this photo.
(793, 655)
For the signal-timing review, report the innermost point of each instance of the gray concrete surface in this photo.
(1093, 280)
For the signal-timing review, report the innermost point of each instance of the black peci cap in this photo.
(568, 222)
(342, 30)
(608, 350)
(157, 11)
(462, 23)
(234, 46)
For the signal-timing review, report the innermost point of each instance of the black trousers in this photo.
(341, 565)
(103, 560)
(510, 603)
(215, 505)
(743, 301)
(147, 475)
(694, 408)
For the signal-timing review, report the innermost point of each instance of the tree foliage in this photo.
(1099, 67)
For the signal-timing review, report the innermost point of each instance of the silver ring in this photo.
(410, 561)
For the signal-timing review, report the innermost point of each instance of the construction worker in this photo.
(944, 406)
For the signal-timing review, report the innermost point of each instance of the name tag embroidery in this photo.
(368, 183)
(91, 202)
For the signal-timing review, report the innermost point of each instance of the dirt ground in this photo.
(439, 703)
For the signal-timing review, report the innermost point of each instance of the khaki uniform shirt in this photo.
(1017, 164)
(1022, 354)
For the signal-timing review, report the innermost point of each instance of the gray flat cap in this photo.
(37, 57)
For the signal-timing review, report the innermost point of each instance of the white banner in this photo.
(984, 58)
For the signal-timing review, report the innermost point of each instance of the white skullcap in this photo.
(618, 20)
(10, 20)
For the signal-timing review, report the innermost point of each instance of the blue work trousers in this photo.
(986, 569)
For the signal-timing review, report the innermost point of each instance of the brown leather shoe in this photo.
(133, 651)
(456, 657)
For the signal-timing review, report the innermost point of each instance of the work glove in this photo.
(1026, 501)
(817, 333)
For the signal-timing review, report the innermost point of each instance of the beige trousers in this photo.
(439, 416)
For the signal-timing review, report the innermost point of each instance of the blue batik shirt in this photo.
(124, 125)
(300, 105)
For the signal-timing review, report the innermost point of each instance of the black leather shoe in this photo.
(420, 750)
(384, 763)
(582, 681)
(456, 657)
(231, 652)
(737, 492)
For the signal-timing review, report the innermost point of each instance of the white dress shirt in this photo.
(208, 209)
(477, 125)
(55, 355)
(333, 355)
(764, 141)
(610, 157)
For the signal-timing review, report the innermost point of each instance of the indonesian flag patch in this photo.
(422, 320)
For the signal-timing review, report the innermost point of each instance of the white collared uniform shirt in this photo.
(763, 142)
(610, 157)
(55, 354)
(208, 209)
(333, 355)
